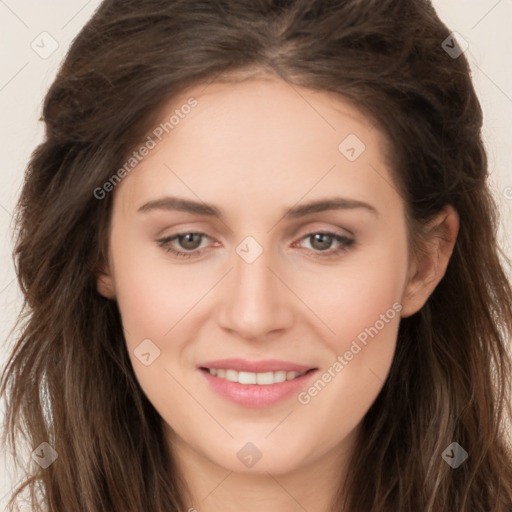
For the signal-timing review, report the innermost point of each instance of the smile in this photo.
(263, 379)
(256, 383)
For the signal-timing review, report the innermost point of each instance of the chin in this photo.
(257, 458)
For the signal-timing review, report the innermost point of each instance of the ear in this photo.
(429, 265)
(105, 282)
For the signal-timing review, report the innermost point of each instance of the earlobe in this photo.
(430, 265)
(105, 283)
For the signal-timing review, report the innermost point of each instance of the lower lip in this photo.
(255, 395)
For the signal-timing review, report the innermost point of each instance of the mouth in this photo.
(260, 378)
(256, 383)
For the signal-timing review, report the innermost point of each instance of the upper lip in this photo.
(267, 365)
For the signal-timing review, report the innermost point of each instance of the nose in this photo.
(256, 301)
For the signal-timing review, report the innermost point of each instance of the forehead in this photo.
(261, 139)
(266, 111)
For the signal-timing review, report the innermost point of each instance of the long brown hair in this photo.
(69, 381)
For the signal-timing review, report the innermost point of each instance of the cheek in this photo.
(364, 323)
(152, 294)
(152, 300)
(359, 308)
(361, 305)
(361, 293)
(361, 354)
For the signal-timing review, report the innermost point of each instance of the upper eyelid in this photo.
(332, 224)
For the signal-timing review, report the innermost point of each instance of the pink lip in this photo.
(243, 365)
(254, 395)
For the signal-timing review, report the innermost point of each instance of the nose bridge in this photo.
(256, 301)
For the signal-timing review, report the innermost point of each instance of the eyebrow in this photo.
(186, 205)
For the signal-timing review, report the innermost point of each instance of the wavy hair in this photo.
(69, 381)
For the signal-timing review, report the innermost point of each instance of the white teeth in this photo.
(232, 375)
(263, 379)
(246, 377)
(280, 376)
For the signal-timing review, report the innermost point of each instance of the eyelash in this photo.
(345, 242)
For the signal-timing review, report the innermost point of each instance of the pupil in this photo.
(325, 240)
(189, 239)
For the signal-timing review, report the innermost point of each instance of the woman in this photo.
(258, 251)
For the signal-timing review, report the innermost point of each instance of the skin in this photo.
(253, 149)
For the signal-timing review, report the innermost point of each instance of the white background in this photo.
(25, 77)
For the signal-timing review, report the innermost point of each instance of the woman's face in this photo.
(299, 263)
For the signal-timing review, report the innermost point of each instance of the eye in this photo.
(321, 243)
(188, 241)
